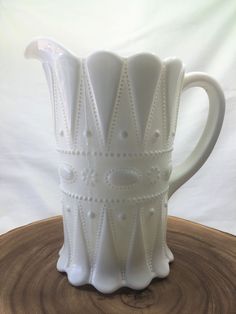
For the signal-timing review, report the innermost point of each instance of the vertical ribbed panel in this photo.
(79, 269)
(143, 72)
(160, 260)
(65, 252)
(68, 72)
(106, 274)
(104, 69)
(173, 81)
(138, 273)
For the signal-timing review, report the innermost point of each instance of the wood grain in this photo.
(202, 278)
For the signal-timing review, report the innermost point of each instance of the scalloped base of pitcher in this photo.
(78, 277)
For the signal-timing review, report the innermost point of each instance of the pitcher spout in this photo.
(62, 71)
(46, 49)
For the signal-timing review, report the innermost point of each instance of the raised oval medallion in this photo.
(122, 178)
(67, 173)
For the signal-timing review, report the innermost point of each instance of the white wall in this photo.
(202, 33)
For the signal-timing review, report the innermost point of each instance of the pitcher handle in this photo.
(206, 143)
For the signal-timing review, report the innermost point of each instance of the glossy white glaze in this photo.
(115, 121)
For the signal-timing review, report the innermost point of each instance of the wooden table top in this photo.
(202, 278)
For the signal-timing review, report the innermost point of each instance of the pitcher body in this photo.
(115, 122)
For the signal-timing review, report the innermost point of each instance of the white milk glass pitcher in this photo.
(115, 121)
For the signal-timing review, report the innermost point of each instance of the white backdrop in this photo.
(202, 33)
